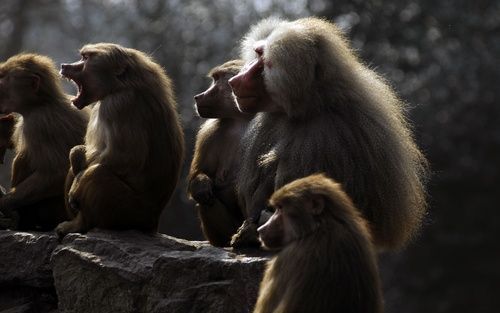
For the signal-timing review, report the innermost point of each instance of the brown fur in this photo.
(322, 110)
(134, 146)
(327, 262)
(46, 129)
(215, 162)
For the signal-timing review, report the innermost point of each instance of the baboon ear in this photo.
(317, 203)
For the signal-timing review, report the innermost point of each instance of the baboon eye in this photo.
(85, 57)
(259, 50)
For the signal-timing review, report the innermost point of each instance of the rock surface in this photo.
(106, 271)
(26, 283)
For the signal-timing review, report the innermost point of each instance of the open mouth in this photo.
(79, 93)
(77, 100)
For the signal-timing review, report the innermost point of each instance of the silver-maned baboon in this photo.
(322, 110)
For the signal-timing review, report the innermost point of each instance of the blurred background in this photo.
(441, 56)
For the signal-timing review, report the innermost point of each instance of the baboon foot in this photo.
(246, 236)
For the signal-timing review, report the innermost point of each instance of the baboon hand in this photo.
(201, 189)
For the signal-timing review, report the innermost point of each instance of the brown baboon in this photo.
(327, 262)
(129, 166)
(45, 131)
(322, 110)
(216, 157)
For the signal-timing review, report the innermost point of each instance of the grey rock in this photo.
(25, 258)
(26, 282)
(106, 271)
(133, 272)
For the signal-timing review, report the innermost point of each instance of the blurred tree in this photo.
(13, 25)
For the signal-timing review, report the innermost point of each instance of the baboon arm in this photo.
(259, 200)
(34, 188)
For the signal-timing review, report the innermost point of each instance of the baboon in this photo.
(129, 166)
(322, 110)
(47, 127)
(215, 162)
(327, 262)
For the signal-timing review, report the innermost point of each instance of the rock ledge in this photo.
(106, 271)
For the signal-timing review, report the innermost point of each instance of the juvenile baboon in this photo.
(327, 262)
(216, 157)
(127, 170)
(47, 128)
(322, 110)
